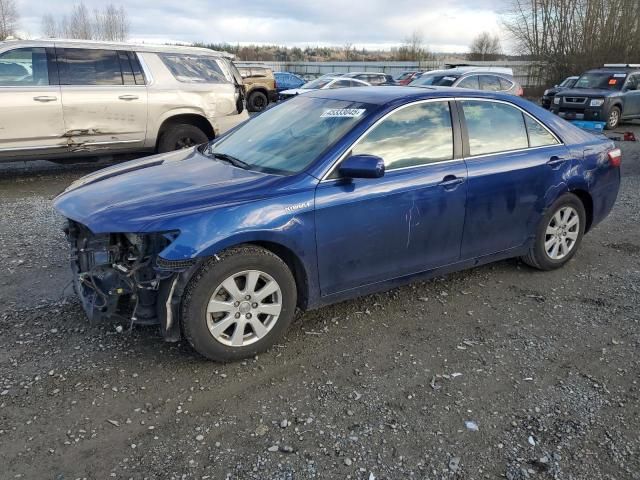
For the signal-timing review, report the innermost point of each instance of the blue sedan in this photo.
(329, 196)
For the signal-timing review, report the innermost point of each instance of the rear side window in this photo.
(194, 68)
(79, 66)
(24, 67)
(494, 127)
(414, 135)
(538, 135)
(490, 83)
(469, 82)
(505, 84)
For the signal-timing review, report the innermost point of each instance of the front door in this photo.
(632, 97)
(30, 105)
(408, 221)
(104, 105)
(516, 168)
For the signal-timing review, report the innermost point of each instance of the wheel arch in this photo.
(587, 202)
(194, 119)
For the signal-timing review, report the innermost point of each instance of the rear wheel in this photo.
(559, 234)
(179, 136)
(257, 102)
(613, 119)
(238, 304)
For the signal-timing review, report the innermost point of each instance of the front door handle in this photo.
(556, 161)
(128, 97)
(45, 98)
(451, 181)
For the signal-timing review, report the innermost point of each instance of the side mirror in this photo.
(362, 166)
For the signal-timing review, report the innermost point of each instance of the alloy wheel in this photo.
(614, 118)
(562, 233)
(244, 308)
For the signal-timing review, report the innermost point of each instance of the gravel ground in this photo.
(496, 372)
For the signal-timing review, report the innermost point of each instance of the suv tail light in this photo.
(615, 157)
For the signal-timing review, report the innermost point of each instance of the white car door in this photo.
(104, 100)
(31, 122)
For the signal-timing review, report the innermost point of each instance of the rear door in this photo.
(408, 221)
(104, 100)
(30, 104)
(516, 168)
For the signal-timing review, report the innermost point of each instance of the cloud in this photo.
(445, 26)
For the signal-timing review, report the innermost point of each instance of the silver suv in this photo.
(492, 79)
(61, 98)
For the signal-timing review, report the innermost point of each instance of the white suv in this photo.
(60, 98)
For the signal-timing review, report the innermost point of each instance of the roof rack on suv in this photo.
(622, 65)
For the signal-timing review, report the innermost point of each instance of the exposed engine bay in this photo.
(120, 275)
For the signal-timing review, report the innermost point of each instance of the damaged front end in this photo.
(120, 275)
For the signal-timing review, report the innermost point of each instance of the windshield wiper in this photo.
(236, 162)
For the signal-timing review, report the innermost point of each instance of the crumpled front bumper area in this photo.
(120, 275)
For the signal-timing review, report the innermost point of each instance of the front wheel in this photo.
(257, 102)
(613, 119)
(238, 304)
(559, 234)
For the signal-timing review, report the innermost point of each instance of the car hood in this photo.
(133, 196)
(586, 92)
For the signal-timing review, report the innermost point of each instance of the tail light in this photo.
(520, 91)
(615, 157)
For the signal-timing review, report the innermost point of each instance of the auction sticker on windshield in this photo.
(343, 112)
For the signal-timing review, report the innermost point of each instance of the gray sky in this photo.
(448, 25)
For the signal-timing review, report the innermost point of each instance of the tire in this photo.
(257, 102)
(212, 330)
(539, 257)
(613, 118)
(181, 135)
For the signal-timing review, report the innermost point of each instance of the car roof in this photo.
(137, 47)
(384, 95)
(613, 70)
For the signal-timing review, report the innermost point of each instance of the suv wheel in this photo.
(179, 136)
(258, 101)
(613, 119)
(238, 304)
(559, 234)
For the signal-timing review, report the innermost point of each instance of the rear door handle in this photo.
(128, 97)
(556, 161)
(451, 181)
(45, 98)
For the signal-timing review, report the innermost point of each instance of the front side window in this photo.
(24, 67)
(469, 82)
(341, 84)
(414, 135)
(79, 66)
(494, 127)
(194, 68)
(289, 137)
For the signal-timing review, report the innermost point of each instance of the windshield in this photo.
(317, 83)
(436, 79)
(287, 138)
(569, 82)
(602, 80)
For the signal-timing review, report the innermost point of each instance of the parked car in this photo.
(372, 78)
(260, 85)
(286, 81)
(331, 195)
(490, 79)
(324, 83)
(80, 98)
(405, 78)
(610, 95)
(547, 96)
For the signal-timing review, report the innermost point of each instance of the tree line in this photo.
(569, 37)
